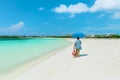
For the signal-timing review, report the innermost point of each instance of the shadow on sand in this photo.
(83, 55)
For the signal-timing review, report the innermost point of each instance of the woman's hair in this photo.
(78, 38)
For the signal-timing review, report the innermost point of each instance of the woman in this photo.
(77, 46)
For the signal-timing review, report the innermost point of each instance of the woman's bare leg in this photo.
(77, 52)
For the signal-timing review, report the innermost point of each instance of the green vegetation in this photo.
(29, 37)
(65, 36)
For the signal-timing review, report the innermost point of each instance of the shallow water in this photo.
(14, 52)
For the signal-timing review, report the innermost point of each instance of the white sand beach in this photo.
(99, 60)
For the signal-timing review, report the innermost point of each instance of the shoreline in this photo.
(30, 63)
(100, 63)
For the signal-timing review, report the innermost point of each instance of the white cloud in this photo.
(102, 15)
(78, 8)
(16, 27)
(61, 9)
(72, 16)
(102, 5)
(72, 9)
(13, 28)
(116, 15)
(41, 8)
(108, 6)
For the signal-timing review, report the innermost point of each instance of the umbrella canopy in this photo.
(78, 34)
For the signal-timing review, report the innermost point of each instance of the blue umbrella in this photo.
(78, 34)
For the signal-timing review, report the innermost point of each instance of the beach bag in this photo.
(74, 52)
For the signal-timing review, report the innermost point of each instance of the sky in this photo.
(59, 17)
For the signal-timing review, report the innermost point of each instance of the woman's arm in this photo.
(74, 45)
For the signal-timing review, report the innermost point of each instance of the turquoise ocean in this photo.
(17, 51)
